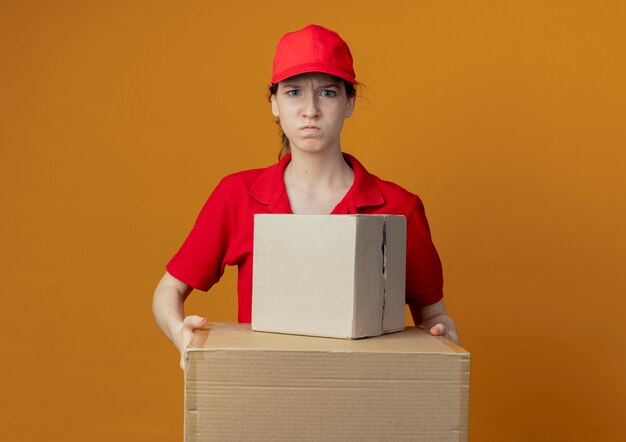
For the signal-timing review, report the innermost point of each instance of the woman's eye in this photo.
(293, 92)
(328, 93)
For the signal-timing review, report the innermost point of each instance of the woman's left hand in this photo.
(440, 329)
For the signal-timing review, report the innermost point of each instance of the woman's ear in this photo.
(350, 106)
(274, 105)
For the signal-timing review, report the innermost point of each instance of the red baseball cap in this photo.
(312, 49)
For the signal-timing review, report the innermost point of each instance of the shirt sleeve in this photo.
(424, 275)
(199, 262)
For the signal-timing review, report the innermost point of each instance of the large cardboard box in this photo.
(339, 276)
(242, 385)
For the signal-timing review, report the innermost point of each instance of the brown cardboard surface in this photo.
(395, 273)
(368, 289)
(240, 337)
(329, 275)
(245, 385)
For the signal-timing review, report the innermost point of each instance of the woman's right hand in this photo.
(185, 333)
(167, 306)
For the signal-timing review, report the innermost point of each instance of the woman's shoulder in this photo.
(244, 179)
(261, 184)
(394, 190)
(393, 193)
(394, 197)
(398, 198)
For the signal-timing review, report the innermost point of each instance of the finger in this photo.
(182, 361)
(438, 330)
(192, 322)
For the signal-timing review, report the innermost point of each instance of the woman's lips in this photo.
(309, 128)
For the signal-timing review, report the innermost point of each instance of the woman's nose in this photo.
(311, 107)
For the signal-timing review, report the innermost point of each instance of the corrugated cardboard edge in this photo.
(465, 380)
(198, 339)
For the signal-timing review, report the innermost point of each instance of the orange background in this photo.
(118, 118)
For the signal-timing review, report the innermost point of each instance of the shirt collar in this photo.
(269, 188)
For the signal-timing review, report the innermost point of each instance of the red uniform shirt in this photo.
(223, 232)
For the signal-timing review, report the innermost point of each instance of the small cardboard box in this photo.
(244, 385)
(340, 276)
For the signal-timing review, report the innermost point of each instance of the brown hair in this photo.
(285, 148)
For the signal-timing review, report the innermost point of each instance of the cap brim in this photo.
(313, 67)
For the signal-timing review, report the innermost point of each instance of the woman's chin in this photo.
(311, 147)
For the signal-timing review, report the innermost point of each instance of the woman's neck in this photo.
(318, 170)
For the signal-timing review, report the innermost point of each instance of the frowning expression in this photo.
(312, 108)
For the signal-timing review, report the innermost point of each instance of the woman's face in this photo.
(311, 108)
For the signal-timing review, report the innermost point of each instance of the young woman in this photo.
(312, 92)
